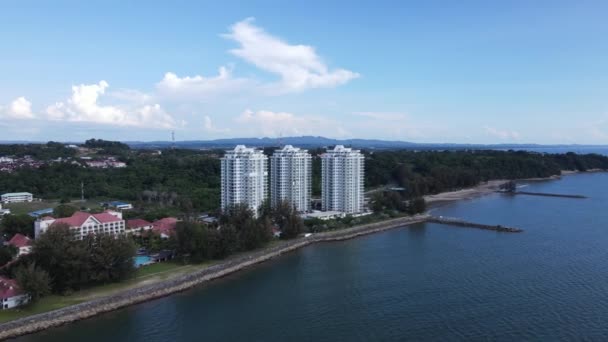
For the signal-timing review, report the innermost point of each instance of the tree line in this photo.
(60, 264)
(190, 180)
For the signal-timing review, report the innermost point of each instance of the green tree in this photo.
(251, 233)
(17, 224)
(192, 241)
(111, 258)
(33, 281)
(417, 205)
(66, 260)
(7, 253)
(293, 227)
(286, 217)
(64, 210)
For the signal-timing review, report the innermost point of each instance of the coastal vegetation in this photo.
(72, 265)
(180, 181)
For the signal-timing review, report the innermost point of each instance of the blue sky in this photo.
(423, 71)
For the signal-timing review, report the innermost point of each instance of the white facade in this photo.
(244, 178)
(10, 295)
(16, 197)
(342, 173)
(291, 177)
(83, 224)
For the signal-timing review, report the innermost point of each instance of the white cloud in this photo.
(502, 134)
(83, 106)
(273, 124)
(201, 87)
(298, 66)
(20, 108)
(210, 127)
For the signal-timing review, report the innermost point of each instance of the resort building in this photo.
(10, 294)
(244, 178)
(22, 243)
(15, 197)
(291, 177)
(83, 224)
(165, 227)
(136, 226)
(342, 173)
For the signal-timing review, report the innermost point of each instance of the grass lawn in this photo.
(145, 275)
(26, 207)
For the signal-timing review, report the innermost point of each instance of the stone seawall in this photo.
(462, 223)
(38, 322)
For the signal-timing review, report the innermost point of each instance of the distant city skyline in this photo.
(472, 72)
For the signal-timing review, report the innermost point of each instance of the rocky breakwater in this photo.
(123, 299)
(450, 221)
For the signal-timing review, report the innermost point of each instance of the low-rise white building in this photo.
(323, 215)
(10, 294)
(22, 243)
(16, 197)
(136, 226)
(83, 224)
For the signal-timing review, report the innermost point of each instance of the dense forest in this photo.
(190, 179)
(50, 150)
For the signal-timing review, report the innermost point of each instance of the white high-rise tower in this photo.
(244, 178)
(342, 173)
(291, 177)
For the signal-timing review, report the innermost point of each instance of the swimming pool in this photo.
(142, 260)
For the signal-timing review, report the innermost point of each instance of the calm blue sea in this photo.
(423, 283)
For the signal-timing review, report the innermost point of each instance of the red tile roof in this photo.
(165, 225)
(8, 288)
(79, 218)
(20, 240)
(137, 223)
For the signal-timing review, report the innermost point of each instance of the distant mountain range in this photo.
(317, 141)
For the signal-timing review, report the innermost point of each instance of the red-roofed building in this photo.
(22, 243)
(165, 227)
(10, 295)
(136, 226)
(83, 224)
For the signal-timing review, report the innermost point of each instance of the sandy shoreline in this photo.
(491, 187)
(464, 194)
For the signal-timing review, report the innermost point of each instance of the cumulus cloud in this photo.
(20, 109)
(298, 66)
(502, 134)
(83, 106)
(200, 86)
(269, 123)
